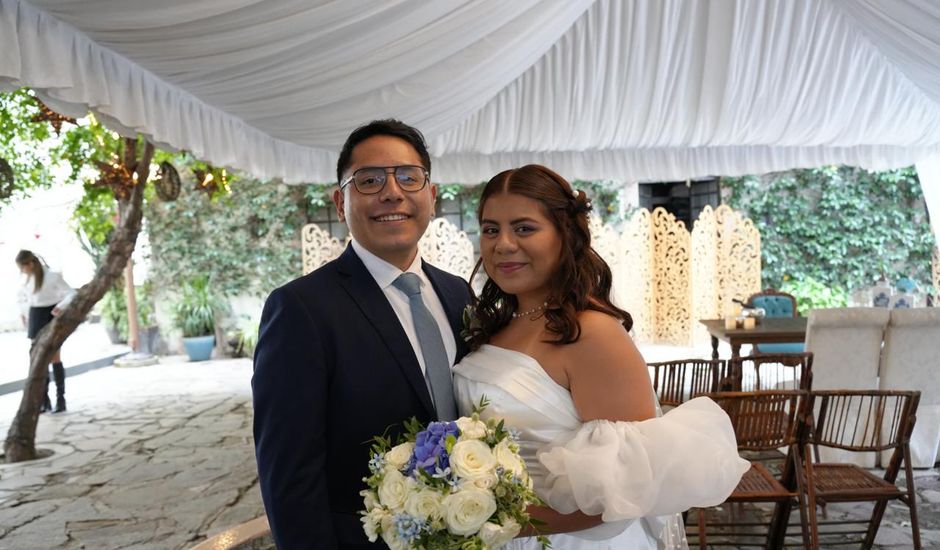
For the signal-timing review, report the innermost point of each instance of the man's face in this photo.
(390, 222)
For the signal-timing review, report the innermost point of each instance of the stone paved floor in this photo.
(160, 457)
(153, 457)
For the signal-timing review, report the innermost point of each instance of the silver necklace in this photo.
(517, 314)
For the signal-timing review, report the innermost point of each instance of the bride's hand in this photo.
(555, 522)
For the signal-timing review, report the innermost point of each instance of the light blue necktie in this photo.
(436, 364)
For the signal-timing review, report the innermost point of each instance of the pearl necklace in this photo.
(528, 312)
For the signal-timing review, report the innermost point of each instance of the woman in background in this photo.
(44, 295)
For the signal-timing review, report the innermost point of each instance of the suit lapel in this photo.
(363, 290)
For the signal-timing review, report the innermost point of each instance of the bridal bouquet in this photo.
(457, 485)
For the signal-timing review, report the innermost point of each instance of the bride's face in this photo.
(520, 246)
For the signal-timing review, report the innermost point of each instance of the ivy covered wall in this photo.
(247, 241)
(828, 231)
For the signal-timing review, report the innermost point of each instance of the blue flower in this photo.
(430, 452)
(409, 527)
(376, 463)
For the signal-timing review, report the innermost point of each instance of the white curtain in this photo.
(906, 32)
(670, 90)
(273, 87)
(633, 90)
(928, 171)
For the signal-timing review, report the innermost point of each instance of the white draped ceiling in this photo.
(622, 89)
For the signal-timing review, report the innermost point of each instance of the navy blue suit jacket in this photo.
(333, 368)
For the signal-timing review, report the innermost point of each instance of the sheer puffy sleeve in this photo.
(623, 470)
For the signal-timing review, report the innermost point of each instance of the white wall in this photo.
(41, 224)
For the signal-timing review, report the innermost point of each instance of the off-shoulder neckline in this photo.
(533, 361)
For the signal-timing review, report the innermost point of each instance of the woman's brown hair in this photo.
(583, 279)
(25, 257)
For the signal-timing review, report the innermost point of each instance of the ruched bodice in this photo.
(521, 393)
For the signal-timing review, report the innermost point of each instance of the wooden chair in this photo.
(863, 422)
(678, 381)
(775, 304)
(763, 421)
(771, 371)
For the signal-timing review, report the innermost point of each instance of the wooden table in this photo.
(771, 330)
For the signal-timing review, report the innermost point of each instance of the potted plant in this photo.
(114, 315)
(194, 315)
(147, 315)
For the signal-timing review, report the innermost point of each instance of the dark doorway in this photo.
(683, 199)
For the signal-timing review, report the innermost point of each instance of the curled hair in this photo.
(582, 280)
(26, 257)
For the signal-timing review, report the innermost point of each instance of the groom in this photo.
(351, 350)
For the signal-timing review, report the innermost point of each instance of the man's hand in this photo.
(56, 312)
(23, 319)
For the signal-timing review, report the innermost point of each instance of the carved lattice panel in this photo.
(633, 280)
(704, 264)
(671, 279)
(317, 247)
(446, 247)
(739, 262)
(606, 242)
(935, 271)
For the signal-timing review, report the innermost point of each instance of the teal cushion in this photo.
(906, 285)
(774, 306)
(780, 348)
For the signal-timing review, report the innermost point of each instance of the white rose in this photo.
(399, 455)
(394, 489)
(494, 536)
(393, 541)
(472, 458)
(467, 510)
(486, 481)
(425, 504)
(509, 460)
(470, 428)
(370, 527)
(368, 499)
(371, 522)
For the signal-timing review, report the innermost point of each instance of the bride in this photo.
(554, 359)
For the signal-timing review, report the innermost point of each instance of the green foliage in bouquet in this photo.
(453, 485)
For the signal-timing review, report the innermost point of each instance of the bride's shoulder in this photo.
(600, 325)
(602, 335)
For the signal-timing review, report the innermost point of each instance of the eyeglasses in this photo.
(371, 179)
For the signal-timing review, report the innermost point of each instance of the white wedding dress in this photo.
(638, 475)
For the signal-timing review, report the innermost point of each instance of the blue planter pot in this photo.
(199, 348)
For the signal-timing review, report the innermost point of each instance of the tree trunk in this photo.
(20, 443)
(133, 331)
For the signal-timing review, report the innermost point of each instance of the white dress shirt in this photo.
(385, 274)
(53, 292)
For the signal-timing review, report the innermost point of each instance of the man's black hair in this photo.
(385, 127)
